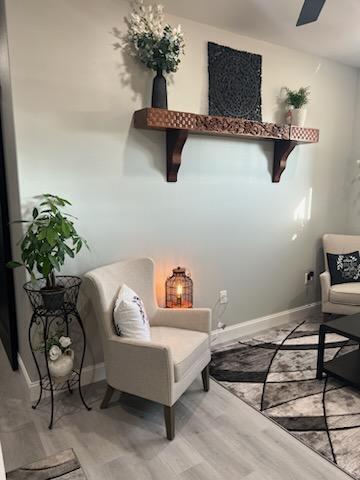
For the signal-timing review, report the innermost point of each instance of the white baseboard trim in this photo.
(96, 373)
(250, 327)
(90, 374)
(23, 370)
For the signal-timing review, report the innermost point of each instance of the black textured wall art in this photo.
(234, 82)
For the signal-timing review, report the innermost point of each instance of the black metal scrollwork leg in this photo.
(67, 334)
(35, 321)
(49, 376)
(78, 318)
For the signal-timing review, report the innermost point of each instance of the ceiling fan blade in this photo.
(310, 11)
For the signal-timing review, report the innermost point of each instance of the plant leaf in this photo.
(69, 251)
(14, 264)
(42, 234)
(51, 236)
(54, 263)
(79, 245)
(65, 228)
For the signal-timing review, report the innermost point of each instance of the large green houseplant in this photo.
(50, 238)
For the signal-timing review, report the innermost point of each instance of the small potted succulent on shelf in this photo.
(60, 355)
(154, 43)
(50, 238)
(296, 100)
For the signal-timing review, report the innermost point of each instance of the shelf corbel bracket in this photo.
(175, 141)
(282, 150)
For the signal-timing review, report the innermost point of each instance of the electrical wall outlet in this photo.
(309, 277)
(223, 296)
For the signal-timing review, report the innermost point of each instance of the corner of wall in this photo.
(353, 211)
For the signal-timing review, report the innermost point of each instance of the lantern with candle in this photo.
(179, 289)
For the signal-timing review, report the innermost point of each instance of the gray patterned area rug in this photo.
(64, 465)
(275, 373)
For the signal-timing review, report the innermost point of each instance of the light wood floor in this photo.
(218, 437)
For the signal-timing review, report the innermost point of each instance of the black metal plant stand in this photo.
(58, 311)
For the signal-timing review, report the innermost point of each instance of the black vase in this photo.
(159, 91)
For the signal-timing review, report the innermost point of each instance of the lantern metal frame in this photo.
(179, 289)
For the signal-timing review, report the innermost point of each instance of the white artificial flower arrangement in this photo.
(57, 345)
(155, 43)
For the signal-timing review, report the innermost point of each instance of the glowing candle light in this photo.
(179, 289)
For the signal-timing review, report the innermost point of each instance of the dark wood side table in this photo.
(345, 367)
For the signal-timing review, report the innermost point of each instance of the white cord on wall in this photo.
(219, 310)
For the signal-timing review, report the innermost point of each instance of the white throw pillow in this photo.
(130, 319)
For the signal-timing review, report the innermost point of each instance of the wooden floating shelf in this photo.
(178, 125)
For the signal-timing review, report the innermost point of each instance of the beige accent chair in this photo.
(344, 298)
(163, 368)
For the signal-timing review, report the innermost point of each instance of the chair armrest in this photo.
(197, 319)
(139, 367)
(325, 283)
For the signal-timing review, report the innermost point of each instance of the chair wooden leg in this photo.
(206, 378)
(107, 397)
(169, 415)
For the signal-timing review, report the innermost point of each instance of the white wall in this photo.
(74, 96)
(354, 174)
